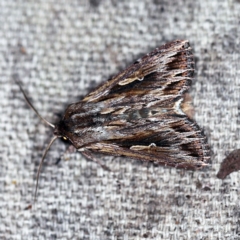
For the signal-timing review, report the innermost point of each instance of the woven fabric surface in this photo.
(61, 50)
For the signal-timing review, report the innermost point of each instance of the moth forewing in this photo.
(143, 105)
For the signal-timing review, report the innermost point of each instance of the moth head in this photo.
(58, 133)
(61, 131)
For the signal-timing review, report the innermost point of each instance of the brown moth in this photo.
(141, 113)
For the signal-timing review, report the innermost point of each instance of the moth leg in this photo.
(90, 156)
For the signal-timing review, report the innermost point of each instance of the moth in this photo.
(141, 113)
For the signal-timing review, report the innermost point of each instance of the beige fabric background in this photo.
(63, 49)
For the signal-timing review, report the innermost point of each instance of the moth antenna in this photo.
(32, 107)
(41, 163)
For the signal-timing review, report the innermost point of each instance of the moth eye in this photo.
(64, 138)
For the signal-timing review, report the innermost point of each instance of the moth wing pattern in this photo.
(142, 113)
(164, 63)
